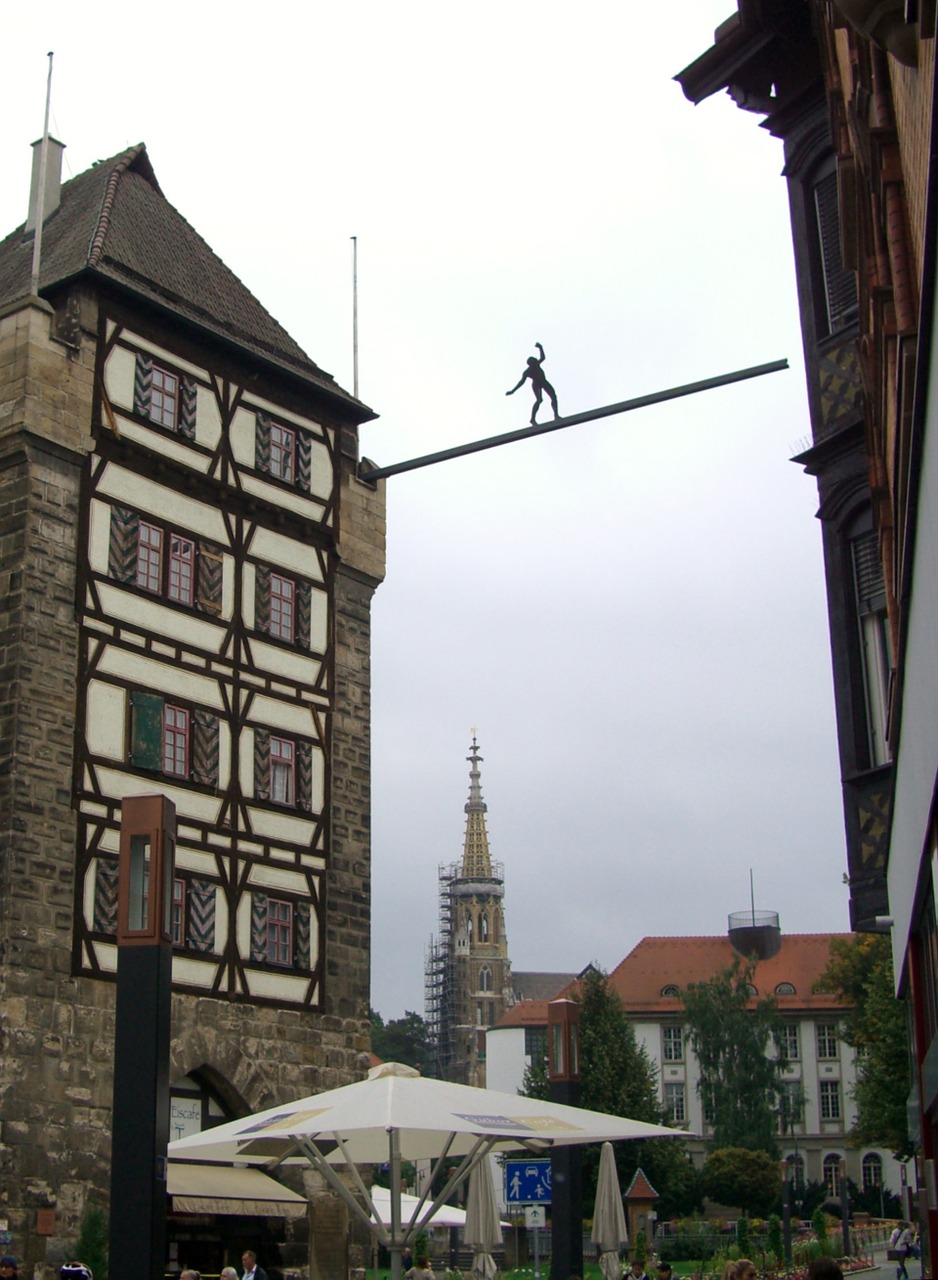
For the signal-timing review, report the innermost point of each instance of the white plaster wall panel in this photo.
(161, 355)
(280, 496)
(106, 955)
(189, 803)
(163, 678)
(253, 402)
(119, 378)
(173, 447)
(189, 859)
(194, 973)
(277, 986)
(243, 925)
(87, 896)
(245, 750)
(285, 553)
(280, 827)
(224, 753)
(145, 495)
(284, 662)
(241, 436)
(221, 919)
(105, 720)
(321, 476)
(190, 629)
(291, 717)
(99, 535)
(207, 418)
(264, 876)
(248, 594)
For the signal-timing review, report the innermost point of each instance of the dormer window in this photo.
(670, 991)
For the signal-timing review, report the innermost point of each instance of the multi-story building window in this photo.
(796, 1171)
(788, 1045)
(827, 1039)
(535, 1044)
(181, 582)
(872, 1171)
(282, 612)
(282, 452)
(674, 1102)
(282, 770)
(875, 650)
(672, 1043)
(175, 741)
(164, 398)
(279, 931)
(485, 978)
(831, 1174)
(830, 1099)
(791, 1105)
(150, 557)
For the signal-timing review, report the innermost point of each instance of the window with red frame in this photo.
(164, 398)
(282, 452)
(279, 931)
(150, 557)
(176, 741)
(282, 607)
(181, 569)
(282, 770)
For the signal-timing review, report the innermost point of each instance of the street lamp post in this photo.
(566, 1163)
(140, 1123)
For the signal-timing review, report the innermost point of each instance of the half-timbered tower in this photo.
(187, 560)
(468, 970)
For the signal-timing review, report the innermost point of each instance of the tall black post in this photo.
(566, 1163)
(845, 1209)
(140, 1124)
(786, 1211)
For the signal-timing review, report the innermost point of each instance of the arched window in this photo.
(469, 925)
(784, 989)
(670, 990)
(483, 926)
(832, 1174)
(485, 978)
(872, 1171)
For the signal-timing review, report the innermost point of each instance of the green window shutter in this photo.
(304, 775)
(143, 385)
(302, 957)
(146, 751)
(304, 607)
(262, 443)
(304, 461)
(258, 926)
(262, 598)
(201, 915)
(209, 576)
(262, 764)
(188, 396)
(122, 544)
(205, 740)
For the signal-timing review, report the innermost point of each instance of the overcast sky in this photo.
(630, 612)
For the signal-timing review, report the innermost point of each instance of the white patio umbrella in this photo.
(609, 1229)
(483, 1228)
(394, 1115)
(447, 1215)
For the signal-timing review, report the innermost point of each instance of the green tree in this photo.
(737, 1176)
(92, 1245)
(735, 1040)
(860, 974)
(404, 1040)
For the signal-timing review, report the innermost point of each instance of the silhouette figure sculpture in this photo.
(539, 384)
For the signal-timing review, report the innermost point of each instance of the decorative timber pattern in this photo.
(182, 687)
(839, 383)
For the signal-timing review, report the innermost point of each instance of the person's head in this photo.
(664, 1270)
(189, 1274)
(824, 1269)
(228, 1273)
(745, 1270)
(7, 1266)
(638, 1267)
(75, 1271)
(249, 1259)
(423, 1261)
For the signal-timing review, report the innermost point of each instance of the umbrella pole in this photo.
(395, 1163)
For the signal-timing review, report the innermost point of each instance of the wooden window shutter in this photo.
(200, 927)
(122, 544)
(205, 735)
(304, 775)
(302, 934)
(304, 461)
(840, 286)
(209, 578)
(259, 926)
(146, 751)
(105, 897)
(188, 399)
(304, 606)
(143, 384)
(868, 572)
(262, 443)
(262, 598)
(262, 764)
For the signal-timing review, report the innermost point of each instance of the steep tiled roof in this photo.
(640, 1188)
(114, 221)
(658, 963)
(526, 1013)
(531, 985)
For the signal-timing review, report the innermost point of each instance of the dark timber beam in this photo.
(539, 428)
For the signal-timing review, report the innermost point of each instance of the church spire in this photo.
(476, 861)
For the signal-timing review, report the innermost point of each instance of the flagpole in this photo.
(41, 193)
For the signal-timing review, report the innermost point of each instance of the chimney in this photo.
(52, 185)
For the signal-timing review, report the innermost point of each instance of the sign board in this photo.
(535, 1216)
(527, 1182)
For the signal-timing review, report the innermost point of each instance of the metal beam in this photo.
(539, 428)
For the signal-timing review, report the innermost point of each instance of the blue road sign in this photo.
(527, 1181)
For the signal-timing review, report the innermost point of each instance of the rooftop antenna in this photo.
(41, 194)
(355, 316)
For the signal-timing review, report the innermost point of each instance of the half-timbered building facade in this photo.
(187, 560)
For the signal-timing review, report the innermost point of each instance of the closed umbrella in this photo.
(609, 1229)
(483, 1228)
